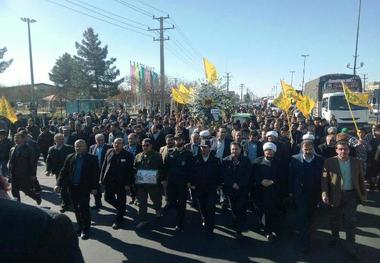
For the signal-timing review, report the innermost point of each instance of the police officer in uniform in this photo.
(178, 167)
(204, 183)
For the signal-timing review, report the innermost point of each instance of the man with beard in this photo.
(117, 177)
(327, 149)
(54, 163)
(157, 137)
(80, 174)
(222, 144)
(178, 167)
(22, 167)
(266, 174)
(236, 171)
(204, 183)
(305, 188)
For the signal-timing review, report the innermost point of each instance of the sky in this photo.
(257, 41)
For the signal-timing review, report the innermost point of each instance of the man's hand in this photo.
(235, 186)
(94, 191)
(325, 198)
(57, 189)
(266, 182)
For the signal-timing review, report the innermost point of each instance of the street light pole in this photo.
(28, 21)
(357, 37)
(291, 79)
(303, 72)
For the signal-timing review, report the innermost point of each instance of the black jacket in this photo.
(90, 172)
(92, 150)
(178, 167)
(31, 234)
(22, 164)
(5, 147)
(206, 175)
(159, 142)
(56, 158)
(239, 173)
(117, 168)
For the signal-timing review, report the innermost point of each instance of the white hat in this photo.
(269, 146)
(308, 136)
(272, 133)
(204, 133)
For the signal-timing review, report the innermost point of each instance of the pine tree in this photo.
(4, 64)
(69, 76)
(100, 71)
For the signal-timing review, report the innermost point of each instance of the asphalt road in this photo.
(160, 243)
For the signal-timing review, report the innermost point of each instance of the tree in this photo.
(69, 76)
(4, 64)
(100, 72)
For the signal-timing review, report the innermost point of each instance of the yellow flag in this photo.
(183, 89)
(360, 99)
(305, 104)
(289, 91)
(282, 102)
(6, 110)
(210, 71)
(179, 97)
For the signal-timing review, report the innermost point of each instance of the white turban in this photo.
(272, 133)
(308, 136)
(270, 146)
(204, 133)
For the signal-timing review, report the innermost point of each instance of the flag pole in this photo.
(349, 107)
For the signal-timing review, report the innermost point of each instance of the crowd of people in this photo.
(263, 163)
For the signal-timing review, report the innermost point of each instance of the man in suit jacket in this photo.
(54, 163)
(343, 189)
(194, 145)
(222, 144)
(157, 138)
(80, 173)
(117, 176)
(305, 189)
(236, 172)
(99, 150)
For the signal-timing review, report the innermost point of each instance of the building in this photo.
(23, 93)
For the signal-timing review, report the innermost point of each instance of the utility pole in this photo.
(357, 38)
(228, 81)
(291, 78)
(303, 74)
(162, 57)
(241, 91)
(28, 21)
(364, 79)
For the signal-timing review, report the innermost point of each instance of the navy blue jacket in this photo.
(239, 174)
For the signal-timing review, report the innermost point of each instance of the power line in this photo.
(108, 12)
(109, 17)
(97, 18)
(154, 8)
(135, 8)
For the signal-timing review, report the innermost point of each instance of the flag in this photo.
(305, 104)
(137, 78)
(289, 91)
(6, 110)
(360, 99)
(210, 71)
(183, 89)
(178, 97)
(282, 102)
(132, 76)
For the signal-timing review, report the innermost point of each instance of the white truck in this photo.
(328, 94)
